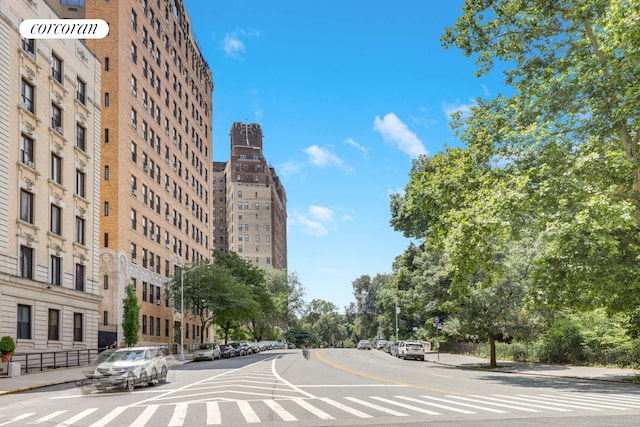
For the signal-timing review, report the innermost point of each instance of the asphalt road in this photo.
(341, 387)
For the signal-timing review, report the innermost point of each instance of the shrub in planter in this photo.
(7, 347)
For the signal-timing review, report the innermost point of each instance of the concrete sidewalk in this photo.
(537, 369)
(37, 380)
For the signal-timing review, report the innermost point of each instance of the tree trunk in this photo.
(492, 346)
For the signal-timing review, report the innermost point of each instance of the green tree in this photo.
(569, 133)
(131, 316)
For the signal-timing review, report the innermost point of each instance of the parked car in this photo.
(411, 350)
(208, 351)
(255, 347)
(127, 367)
(238, 349)
(227, 351)
(380, 344)
(101, 357)
(364, 345)
(393, 348)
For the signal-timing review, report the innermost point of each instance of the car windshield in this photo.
(206, 346)
(126, 355)
(414, 345)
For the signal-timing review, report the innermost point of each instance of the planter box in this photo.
(10, 369)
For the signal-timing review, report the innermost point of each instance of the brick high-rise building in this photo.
(256, 210)
(49, 175)
(156, 157)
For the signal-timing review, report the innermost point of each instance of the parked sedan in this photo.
(128, 367)
(364, 345)
(208, 351)
(393, 348)
(227, 351)
(411, 350)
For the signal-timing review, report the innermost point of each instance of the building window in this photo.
(80, 183)
(134, 118)
(26, 151)
(106, 173)
(26, 262)
(106, 63)
(56, 219)
(133, 253)
(106, 99)
(105, 281)
(133, 219)
(106, 135)
(134, 52)
(26, 206)
(56, 270)
(56, 118)
(28, 45)
(80, 231)
(134, 20)
(81, 91)
(151, 325)
(56, 169)
(53, 332)
(24, 322)
(106, 240)
(144, 324)
(106, 208)
(56, 68)
(81, 137)
(27, 96)
(105, 318)
(134, 85)
(80, 277)
(144, 291)
(78, 334)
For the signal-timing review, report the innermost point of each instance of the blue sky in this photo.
(347, 93)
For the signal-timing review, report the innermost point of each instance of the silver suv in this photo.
(128, 367)
(364, 345)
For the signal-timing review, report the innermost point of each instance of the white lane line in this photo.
(48, 417)
(179, 414)
(145, 416)
(275, 373)
(484, 402)
(466, 405)
(315, 411)
(280, 411)
(109, 417)
(247, 412)
(17, 418)
(377, 407)
(73, 420)
(404, 405)
(346, 408)
(524, 404)
(437, 405)
(213, 413)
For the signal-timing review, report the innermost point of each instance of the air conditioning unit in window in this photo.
(145, 167)
(29, 163)
(59, 130)
(166, 187)
(157, 302)
(134, 261)
(152, 236)
(134, 192)
(166, 216)
(166, 245)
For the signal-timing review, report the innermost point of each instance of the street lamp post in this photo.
(182, 273)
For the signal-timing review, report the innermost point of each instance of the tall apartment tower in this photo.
(156, 157)
(256, 212)
(50, 188)
(220, 238)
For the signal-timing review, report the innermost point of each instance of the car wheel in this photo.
(404, 356)
(131, 383)
(143, 377)
(154, 375)
(163, 375)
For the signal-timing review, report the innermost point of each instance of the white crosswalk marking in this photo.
(73, 420)
(48, 417)
(17, 418)
(570, 399)
(377, 407)
(179, 414)
(538, 400)
(145, 416)
(406, 406)
(411, 399)
(109, 417)
(555, 401)
(213, 413)
(617, 402)
(466, 405)
(526, 404)
(501, 405)
(247, 412)
(346, 408)
(315, 411)
(280, 411)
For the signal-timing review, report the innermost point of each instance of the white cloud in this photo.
(310, 226)
(351, 142)
(394, 130)
(321, 213)
(317, 221)
(322, 157)
(233, 43)
(464, 109)
(289, 168)
(346, 218)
